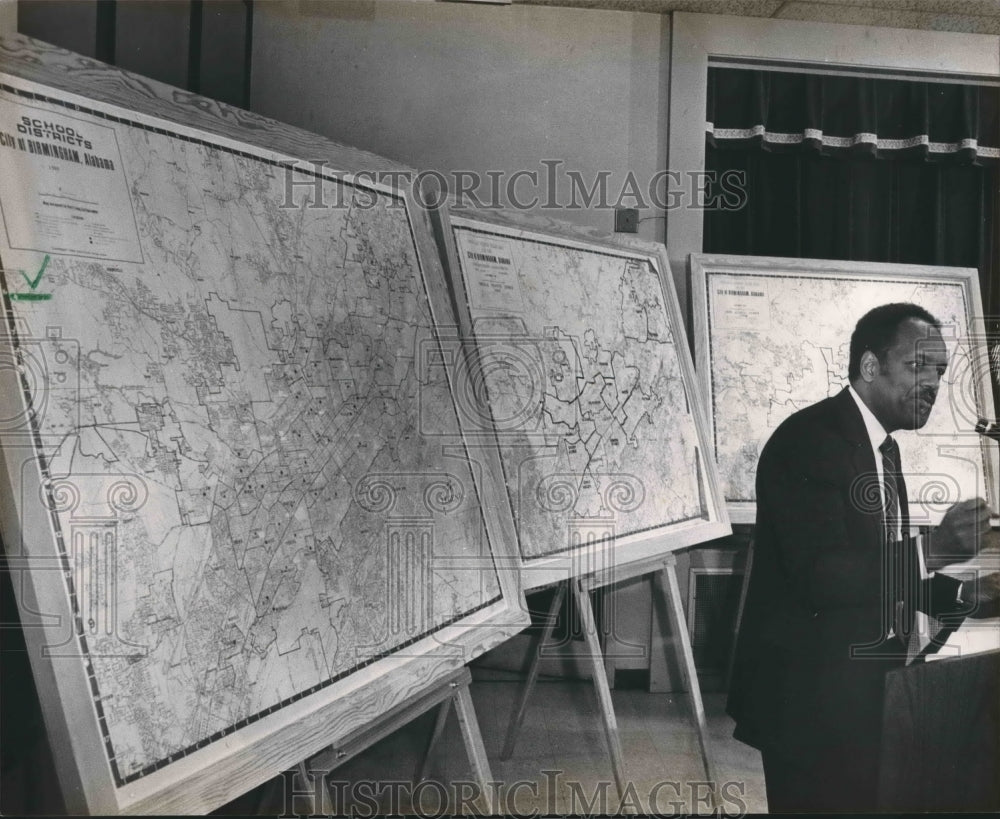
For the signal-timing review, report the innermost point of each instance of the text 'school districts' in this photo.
(64, 137)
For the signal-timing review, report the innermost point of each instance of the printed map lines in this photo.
(256, 365)
(762, 374)
(575, 466)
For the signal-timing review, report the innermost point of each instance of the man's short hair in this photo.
(876, 331)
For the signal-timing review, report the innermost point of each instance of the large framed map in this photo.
(773, 335)
(581, 378)
(231, 541)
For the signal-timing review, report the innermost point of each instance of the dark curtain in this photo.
(837, 115)
(858, 169)
(824, 207)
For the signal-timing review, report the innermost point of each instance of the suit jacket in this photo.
(811, 655)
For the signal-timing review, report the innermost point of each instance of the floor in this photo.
(560, 762)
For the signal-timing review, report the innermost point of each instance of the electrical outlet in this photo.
(626, 220)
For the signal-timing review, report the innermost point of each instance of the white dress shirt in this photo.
(876, 436)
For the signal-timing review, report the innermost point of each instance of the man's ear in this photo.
(869, 366)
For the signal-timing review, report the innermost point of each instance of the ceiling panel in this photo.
(970, 16)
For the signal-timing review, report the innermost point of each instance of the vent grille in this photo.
(712, 603)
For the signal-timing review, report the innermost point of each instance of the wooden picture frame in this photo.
(521, 438)
(83, 574)
(772, 335)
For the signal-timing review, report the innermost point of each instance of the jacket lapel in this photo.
(866, 497)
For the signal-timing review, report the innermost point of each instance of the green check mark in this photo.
(33, 283)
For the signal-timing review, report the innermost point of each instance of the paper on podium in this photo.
(974, 636)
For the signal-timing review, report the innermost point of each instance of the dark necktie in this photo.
(891, 479)
(900, 562)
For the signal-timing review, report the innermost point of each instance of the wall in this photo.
(157, 38)
(154, 38)
(473, 87)
(143, 28)
(8, 16)
(71, 24)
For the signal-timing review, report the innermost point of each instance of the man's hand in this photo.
(982, 596)
(962, 534)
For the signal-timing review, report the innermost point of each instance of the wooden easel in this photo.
(665, 591)
(453, 689)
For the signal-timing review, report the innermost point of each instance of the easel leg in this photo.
(303, 785)
(529, 684)
(582, 598)
(738, 622)
(667, 582)
(442, 718)
(607, 596)
(474, 743)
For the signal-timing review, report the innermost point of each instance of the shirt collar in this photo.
(876, 432)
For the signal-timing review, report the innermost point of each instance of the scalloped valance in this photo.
(834, 114)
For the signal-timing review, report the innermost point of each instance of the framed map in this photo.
(232, 542)
(581, 378)
(773, 335)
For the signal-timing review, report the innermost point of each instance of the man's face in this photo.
(907, 378)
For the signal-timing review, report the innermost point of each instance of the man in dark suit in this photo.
(835, 578)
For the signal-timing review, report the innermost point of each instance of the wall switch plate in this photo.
(626, 220)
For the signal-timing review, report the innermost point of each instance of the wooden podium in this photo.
(941, 736)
